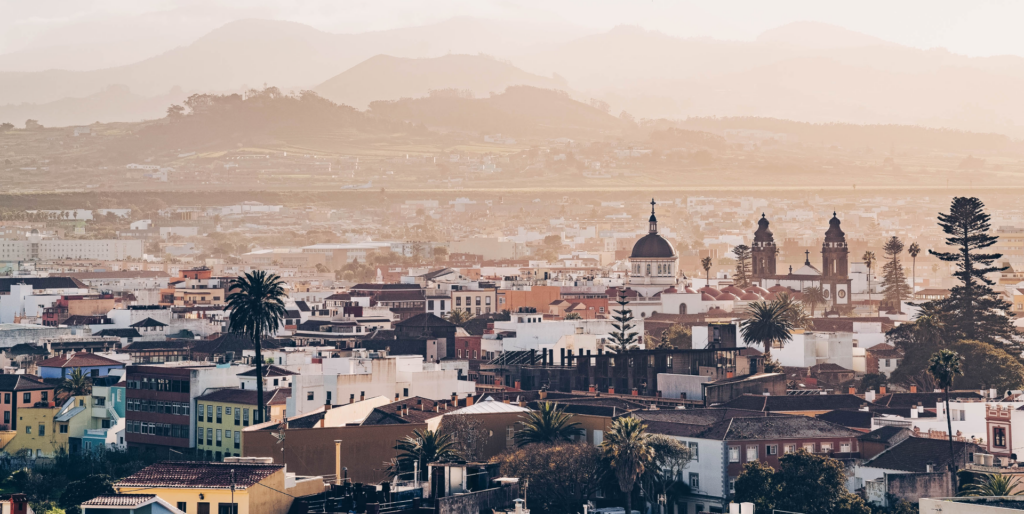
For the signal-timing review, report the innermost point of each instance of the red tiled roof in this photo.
(78, 360)
(198, 475)
(119, 500)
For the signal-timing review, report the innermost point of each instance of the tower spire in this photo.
(653, 220)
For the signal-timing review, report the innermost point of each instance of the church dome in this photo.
(834, 234)
(750, 297)
(653, 246)
(708, 290)
(763, 234)
(726, 297)
(733, 290)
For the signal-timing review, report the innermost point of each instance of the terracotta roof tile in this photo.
(196, 475)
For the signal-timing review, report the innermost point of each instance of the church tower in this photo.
(763, 251)
(835, 267)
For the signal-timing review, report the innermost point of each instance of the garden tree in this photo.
(670, 457)
(813, 296)
(628, 453)
(993, 484)
(84, 490)
(945, 366)
(256, 301)
(872, 382)
(742, 276)
(918, 341)
(869, 260)
(894, 281)
(767, 324)
(75, 384)
(547, 425)
(987, 367)
(706, 264)
(973, 310)
(656, 343)
(913, 250)
(561, 476)
(424, 447)
(573, 316)
(440, 254)
(466, 432)
(458, 317)
(806, 483)
(320, 268)
(185, 334)
(756, 484)
(678, 336)
(624, 337)
(6, 126)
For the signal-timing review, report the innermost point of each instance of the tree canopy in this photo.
(808, 483)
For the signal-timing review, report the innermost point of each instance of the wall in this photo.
(49, 442)
(961, 506)
(310, 451)
(723, 392)
(538, 297)
(480, 501)
(675, 386)
(914, 486)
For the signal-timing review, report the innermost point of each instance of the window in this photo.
(887, 363)
(219, 435)
(245, 417)
(751, 453)
(182, 506)
(276, 381)
(809, 447)
(209, 413)
(309, 395)
(227, 508)
(7, 398)
(238, 439)
(732, 485)
(844, 447)
(199, 436)
(46, 397)
(790, 448)
(28, 429)
(238, 416)
(695, 481)
(999, 437)
(219, 411)
(26, 398)
(405, 392)
(771, 449)
(826, 447)
(734, 454)
(693, 451)
(209, 437)
(63, 429)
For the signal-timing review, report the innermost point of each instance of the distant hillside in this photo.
(520, 110)
(250, 53)
(115, 103)
(384, 77)
(878, 137)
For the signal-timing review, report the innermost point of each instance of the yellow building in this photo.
(475, 301)
(261, 487)
(222, 414)
(39, 431)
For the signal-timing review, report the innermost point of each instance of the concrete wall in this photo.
(480, 501)
(721, 393)
(675, 386)
(963, 506)
(365, 450)
(914, 486)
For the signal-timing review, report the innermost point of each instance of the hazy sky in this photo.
(975, 27)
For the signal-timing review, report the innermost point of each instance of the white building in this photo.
(37, 248)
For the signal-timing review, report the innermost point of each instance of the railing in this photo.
(882, 422)
(113, 414)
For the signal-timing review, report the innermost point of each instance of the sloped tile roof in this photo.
(119, 500)
(148, 322)
(906, 400)
(915, 453)
(775, 427)
(823, 402)
(269, 371)
(198, 475)
(240, 396)
(78, 360)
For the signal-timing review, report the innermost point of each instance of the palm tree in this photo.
(426, 447)
(945, 366)
(76, 384)
(914, 250)
(458, 317)
(706, 264)
(814, 296)
(767, 323)
(993, 484)
(628, 451)
(257, 308)
(869, 259)
(547, 425)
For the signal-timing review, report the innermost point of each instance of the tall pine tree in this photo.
(623, 337)
(742, 276)
(973, 309)
(894, 281)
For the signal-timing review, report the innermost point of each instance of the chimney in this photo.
(611, 389)
(913, 413)
(327, 406)
(853, 390)
(469, 400)
(518, 384)
(405, 410)
(455, 398)
(362, 395)
(505, 401)
(636, 392)
(352, 398)
(396, 397)
(728, 374)
(543, 394)
(419, 403)
(881, 391)
(398, 410)
(870, 395)
(913, 388)
(992, 393)
(592, 388)
(657, 394)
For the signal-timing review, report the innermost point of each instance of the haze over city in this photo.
(600, 257)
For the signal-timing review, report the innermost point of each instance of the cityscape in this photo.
(610, 257)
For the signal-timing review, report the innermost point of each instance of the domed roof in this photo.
(757, 290)
(691, 291)
(750, 297)
(770, 297)
(779, 289)
(710, 290)
(733, 290)
(653, 246)
(725, 297)
(704, 297)
(834, 234)
(763, 235)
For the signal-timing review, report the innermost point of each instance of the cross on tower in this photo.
(807, 257)
(652, 205)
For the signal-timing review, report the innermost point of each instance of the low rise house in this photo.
(89, 364)
(222, 414)
(128, 504)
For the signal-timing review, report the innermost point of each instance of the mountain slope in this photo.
(250, 53)
(384, 77)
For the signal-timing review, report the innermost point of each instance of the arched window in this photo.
(648, 268)
(682, 308)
